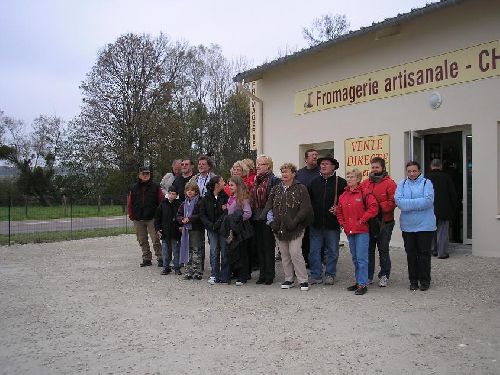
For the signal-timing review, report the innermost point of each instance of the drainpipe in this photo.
(242, 88)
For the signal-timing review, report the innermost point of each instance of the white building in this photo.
(418, 86)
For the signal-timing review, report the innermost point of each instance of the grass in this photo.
(58, 212)
(40, 237)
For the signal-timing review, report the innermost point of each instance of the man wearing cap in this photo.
(143, 199)
(325, 191)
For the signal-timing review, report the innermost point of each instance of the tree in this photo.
(325, 27)
(34, 154)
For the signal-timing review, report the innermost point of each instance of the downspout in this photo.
(260, 142)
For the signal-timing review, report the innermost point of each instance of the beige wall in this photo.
(474, 103)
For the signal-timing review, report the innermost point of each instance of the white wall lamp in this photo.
(435, 100)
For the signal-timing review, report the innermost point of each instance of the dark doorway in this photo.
(449, 149)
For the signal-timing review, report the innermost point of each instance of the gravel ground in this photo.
(86, 306)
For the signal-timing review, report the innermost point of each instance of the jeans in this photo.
(329, 238)
(418, 254)
(219, 260)
(382, 243)
(170, 248)
(358, 244)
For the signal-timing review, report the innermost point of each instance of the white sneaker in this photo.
(370, 281)
(382, 282)
(211, 280)
(238, 283)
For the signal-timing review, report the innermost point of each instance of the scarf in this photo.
(377, 177)
(260, 189)
(189, 205)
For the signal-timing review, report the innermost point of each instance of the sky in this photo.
(48, 46)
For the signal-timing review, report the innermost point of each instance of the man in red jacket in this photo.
(383, 188)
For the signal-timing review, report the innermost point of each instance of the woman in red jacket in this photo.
(353, 212)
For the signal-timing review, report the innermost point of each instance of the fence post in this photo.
(10, 204)
(126, 216)
(71, 218)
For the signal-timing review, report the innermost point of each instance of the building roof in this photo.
(256, 73)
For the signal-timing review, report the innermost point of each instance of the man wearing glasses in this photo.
(180, 182)
(142, 201)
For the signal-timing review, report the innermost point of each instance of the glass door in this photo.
(467, 186)
(417, 148)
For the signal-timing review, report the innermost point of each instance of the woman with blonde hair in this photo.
(354, 210)
(265, 180)
(239, 204)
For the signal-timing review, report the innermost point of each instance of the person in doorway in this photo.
(291, 214)
(169, 177)
(383, 188)
(415, 198)
(167, 228)
(213, 207)
(325, 191)
(354, 210)
(265, 180)
(180, 181)
(191, 246)
(305, 175)
(143, 199)
(445, 204)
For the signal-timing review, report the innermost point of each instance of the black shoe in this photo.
(424, 287)
(269, 282)
(361, 290)
(178, 272)
(304, 287)
(198, 277)
(260, 281)
(444, 256)
(413, 286)
(166, 271)
(287, 285)
(434, 254)
(160, 263)
(188, 277)
(352, 288)
(146, 263)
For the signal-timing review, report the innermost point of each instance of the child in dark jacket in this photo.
(167, 227)
(191, 249)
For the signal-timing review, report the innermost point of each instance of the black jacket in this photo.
(166, 219)
(322, 192)
(143, 199)
(211, 210)
(445, 195)
(180, 184)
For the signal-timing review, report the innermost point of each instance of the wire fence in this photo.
(25, 220)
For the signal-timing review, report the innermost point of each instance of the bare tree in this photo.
(325, 27)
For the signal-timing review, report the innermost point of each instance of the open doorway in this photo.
(453, 146)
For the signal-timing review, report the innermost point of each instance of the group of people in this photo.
(303, 211)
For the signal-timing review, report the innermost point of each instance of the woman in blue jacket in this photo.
(415, 198)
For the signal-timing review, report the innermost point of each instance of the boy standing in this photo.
(167, 228)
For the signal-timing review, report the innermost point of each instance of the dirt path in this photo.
(86, 306)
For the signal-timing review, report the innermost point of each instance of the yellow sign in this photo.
(360, 151)
(463, 65)
(254, 117)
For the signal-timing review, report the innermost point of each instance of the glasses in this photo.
(184, 164)
(146, 173)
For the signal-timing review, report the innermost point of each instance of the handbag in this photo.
(376, 223)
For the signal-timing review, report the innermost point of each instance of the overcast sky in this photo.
(47, 46)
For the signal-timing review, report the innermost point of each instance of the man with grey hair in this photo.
(445, 204)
